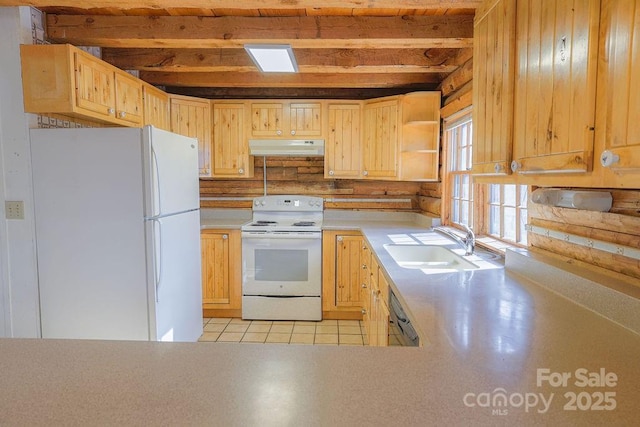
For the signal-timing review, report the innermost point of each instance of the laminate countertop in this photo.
(498, 349)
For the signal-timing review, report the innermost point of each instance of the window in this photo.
(507, 212)
(497, 211)
(458, 139)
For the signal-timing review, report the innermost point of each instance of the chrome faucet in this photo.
(468, 242)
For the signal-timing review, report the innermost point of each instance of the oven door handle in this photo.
(283, 236)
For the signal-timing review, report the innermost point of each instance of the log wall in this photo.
(620, 226)
(305, 175)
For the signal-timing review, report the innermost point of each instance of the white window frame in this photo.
(520, 212)
(458, 134)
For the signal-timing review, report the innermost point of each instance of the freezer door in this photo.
(175, 284)
(171, 172)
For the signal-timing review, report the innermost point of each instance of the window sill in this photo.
(496, 245)
(488, 242)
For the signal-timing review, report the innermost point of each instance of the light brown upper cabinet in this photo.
(305, 119)
(231, 157)
(618, 119)
(380, 138)
(419, 136)
(493, 80)
(401, 137)
(285, 119)
(192, 117)
(63, 79)
(343, 147)
(555, 88)
(156, 107)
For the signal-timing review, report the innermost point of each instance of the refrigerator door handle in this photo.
(157, 256)
(156, 186)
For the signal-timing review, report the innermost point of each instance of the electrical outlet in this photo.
(14, 210)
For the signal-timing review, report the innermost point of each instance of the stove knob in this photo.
(261, 202)
(256, 202)
(310, 202)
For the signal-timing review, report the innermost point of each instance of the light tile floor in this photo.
(326, 332)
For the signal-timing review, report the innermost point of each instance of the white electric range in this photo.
(282, 259)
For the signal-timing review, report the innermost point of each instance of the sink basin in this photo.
(429, 257)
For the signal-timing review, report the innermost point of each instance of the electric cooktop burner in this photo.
(286, 214)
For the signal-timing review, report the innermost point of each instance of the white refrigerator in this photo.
(117, 233)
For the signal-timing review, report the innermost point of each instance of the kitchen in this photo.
(398, 196)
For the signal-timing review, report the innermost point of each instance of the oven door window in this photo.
(281, 266)
(285, 265)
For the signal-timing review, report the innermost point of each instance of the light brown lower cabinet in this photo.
(221, 273)
(341, 274)
(376, 311)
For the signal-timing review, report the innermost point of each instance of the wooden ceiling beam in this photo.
(324, 80)
(317, 32)
(294, 92)
(250, 4)
(309, 60)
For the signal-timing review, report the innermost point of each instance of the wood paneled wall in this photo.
(620, 226)
(305, 175)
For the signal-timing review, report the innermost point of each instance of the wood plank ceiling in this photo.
(345, 48)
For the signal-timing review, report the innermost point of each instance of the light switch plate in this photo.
(14, 210)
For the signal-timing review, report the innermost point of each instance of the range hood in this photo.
(286, 147)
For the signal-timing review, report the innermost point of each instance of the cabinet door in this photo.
(128, 99)
(343, 153)
(192, 117)
(348, 270)
(230, 147)
(382, 323)
(365, 290)
(221, 283)
(619, 86)
(215, 268)
(493, 85)
(156, 107)
(380, 148)
(305, 119)
(555, 85)
(372, 330)
(95, 86)
(267, 119)
(382, 313)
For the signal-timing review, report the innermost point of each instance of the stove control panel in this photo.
(288, 203)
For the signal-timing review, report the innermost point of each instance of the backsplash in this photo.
(305, 175)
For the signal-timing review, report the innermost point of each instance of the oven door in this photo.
(281, 264)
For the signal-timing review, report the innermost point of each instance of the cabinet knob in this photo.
(293, 132)
(363, 311)
(365, 173)
(497, 167)
(225, 236)
(515, 165)
(364, 266)
(339, 239)
(331, 173)
(364, 286)
(111, 110)
(608, 158)
(122, 114)
(240, 171)
(278, 132)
